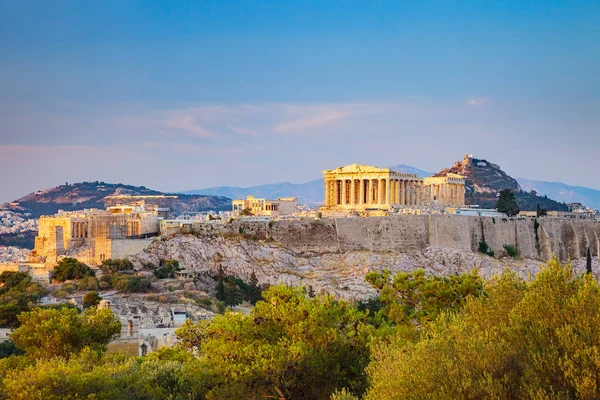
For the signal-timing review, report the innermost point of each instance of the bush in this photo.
(511, 250)
(130, 284)
(167, 269)
(91, 299)
(117, 265)
(69, 268)
(484, 249)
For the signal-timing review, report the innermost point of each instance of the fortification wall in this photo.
(534, 239)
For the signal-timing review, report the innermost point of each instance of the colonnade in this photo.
(379, 191)
(79, 229)
(446, 193)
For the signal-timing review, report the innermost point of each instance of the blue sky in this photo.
(180, 95)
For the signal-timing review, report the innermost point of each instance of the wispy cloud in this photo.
(189, 125)
(478, 102)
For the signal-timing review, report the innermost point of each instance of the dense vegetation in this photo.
(422, 337)
(18, 293)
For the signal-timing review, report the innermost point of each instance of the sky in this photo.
(183, 95)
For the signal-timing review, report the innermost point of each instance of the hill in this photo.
(484, 180)
(82, 195)
(562, 192)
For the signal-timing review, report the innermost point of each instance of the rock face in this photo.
(77, 196)
(334, 255)
(485, 179)
(339, 273)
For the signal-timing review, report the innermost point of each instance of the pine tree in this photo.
(588, 262)
(220, 285)
(507, 204)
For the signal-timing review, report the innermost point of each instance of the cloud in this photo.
(325, 117)
(188, 124)
(478, 102)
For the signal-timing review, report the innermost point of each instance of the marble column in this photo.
(388, 191)
(371, 192)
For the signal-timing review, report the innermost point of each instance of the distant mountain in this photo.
(407, 169)
(312, 192)
(562, 192)
(78, 196)
(308, 193)
(483, 180)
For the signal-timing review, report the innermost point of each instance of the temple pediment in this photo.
(356, 168)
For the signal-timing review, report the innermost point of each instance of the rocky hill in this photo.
(485, 179)
(82, 195)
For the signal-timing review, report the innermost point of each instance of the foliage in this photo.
(117, 265)
(289, 347)
(247, 212)
(412, 298)
(130, 283)
(253, 293)
(91, 299)
(511, 250)
(485, 249)
(47, 333)
(69, 268)
(220, 288)
(507, 204)
(8, 348)
(171, 374)
(18, 294)
(538, 339)
(167, 269)
(89, 283)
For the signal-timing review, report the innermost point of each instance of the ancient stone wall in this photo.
(534, 239)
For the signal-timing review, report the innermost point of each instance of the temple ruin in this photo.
(364, 187)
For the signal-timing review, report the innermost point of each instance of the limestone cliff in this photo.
(333, 255)
(485, 179)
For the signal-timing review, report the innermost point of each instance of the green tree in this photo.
(69, 268)
(537, 339)
(220, 288)
(588, 262)
(47, 333)
(233, 293)
(253, 292)
(91, 299)
(117, 265)
(289, 347)
(507, 204)
(167, 269)
(17, 294)
(412, 298)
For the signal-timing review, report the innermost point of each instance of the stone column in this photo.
(388, 191)
(381, 191)
(352, 191)
(420, 187)
(371, 192)
(361, 191)
(336, 192)
(344, 193)
(402, 192)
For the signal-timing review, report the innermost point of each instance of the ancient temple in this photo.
(362, 187)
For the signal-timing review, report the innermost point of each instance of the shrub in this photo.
(69, 268)
(511, 250)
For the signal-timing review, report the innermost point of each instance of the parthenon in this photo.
(361, 187)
